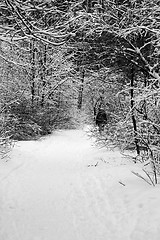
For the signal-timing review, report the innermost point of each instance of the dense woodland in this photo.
(60, 59)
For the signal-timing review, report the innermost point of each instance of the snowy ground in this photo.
(53, 189)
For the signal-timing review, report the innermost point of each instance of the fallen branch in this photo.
(93, 165)
(122, 183)
(138, 175)
(149, 177)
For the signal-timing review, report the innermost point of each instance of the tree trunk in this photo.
(80, 94)
(33, 55)
(43, 73)
(132, 112)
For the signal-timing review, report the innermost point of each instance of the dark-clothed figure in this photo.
(101, 119)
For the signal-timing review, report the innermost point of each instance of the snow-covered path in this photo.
(53, 190)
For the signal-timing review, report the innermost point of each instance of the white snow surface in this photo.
(62, 187)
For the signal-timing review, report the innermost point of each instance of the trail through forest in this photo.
(62, 187)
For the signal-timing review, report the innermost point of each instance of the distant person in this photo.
(101, 119)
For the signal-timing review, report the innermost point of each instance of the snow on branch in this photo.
(29, 24)
(13, 62)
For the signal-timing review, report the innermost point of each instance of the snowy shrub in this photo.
(5, 135)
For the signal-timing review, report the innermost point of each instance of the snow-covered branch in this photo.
(13, 62)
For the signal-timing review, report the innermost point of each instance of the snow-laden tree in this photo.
(124, 36)
(33, 67)
(40, 20)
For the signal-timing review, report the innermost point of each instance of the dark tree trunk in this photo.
(33, 55)
(132, 112)
(43, 73)
(80, 94)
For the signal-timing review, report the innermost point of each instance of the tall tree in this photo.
(124, 36)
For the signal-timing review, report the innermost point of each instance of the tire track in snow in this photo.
(10, 180)
(95, 215)
(56, 197)
(35, 206)
(7, 223)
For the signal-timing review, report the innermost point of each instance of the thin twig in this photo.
(122, 183)
(138, 175)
